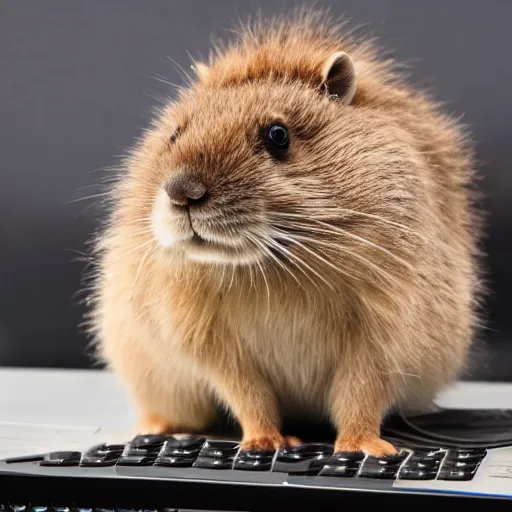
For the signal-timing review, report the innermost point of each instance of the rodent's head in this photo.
(269, 156)
(233, 159)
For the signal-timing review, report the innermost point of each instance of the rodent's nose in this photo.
(185, 189)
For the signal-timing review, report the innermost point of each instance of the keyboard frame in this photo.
(151, 487)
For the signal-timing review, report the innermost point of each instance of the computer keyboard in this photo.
(460, 459)
(160, 452)
(156, 472)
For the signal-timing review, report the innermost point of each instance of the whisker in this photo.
(139, 247)
(266, 285)
(185, 75)
(293, 240)
(160, 78)
(330, 229)
(295, 261)
(147, 254)
(232, 277)
(370, 243)
(300, 261)
(86, 198)
(264, 247)
(251, 279)
(378, 270)
(352, 212)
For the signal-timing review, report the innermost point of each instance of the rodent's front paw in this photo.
(265, 442)
(370, 445)
(269, 442)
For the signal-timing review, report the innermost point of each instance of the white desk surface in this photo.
(45, 410)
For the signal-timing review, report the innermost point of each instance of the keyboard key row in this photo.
(308, 459)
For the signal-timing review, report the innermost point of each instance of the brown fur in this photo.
(370, 303)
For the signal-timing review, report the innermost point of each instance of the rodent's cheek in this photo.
(169, 226)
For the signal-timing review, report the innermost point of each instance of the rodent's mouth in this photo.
(203, 240)
(202, 250)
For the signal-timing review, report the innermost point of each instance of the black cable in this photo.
(493, 441)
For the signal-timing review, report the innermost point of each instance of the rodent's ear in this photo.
(339, 76)
(201, 70)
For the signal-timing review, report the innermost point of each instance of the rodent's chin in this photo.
(174, 232)
(202, 251)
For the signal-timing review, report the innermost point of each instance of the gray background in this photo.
(78, 81)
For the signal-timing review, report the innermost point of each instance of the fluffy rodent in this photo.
(326, 268)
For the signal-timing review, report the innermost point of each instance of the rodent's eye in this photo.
(277, 135)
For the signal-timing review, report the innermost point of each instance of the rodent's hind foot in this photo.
(373, 446)
(154, 424)
(292, 441)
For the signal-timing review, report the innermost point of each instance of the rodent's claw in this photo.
(370, 445)
(263, 443)
(270, 442)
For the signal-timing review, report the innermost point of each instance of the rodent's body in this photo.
(367, 300)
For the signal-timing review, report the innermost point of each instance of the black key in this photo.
(387, 460)
(136, 460)
(428, 455)
(305, 451)
(18, 508)
(349, 458)
(150, 450)
(254, 461)
(428, 464)
(456, 474)
(102, 455)
(61, 459)
(340, 471)
(189, 443)
(111, 447)
(474, 456)
(26, 458)
(376, 470)
(309, 466)
(92, 461)
(266, 454)
(407, 473)
(36, 508)
(457, 464)
(305, 459)
(188, 447)
(219, 449)
(175, 462)
(213, 463)
(149, 441)
(104, 449)
(252, 464)
(461, 454)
